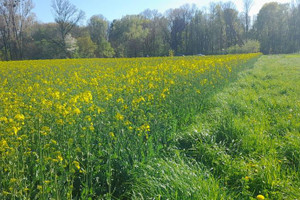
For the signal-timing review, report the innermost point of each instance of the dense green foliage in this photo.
(277, 28)
(250, 46)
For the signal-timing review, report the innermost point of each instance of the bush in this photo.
(251, 46)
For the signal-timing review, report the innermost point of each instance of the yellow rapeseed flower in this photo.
(60, 158)
(119, 116)
(56, 95)
(76, 164)
(92, 128)
(100, 110)
(5, 193)
(53, 141)
(260, 197)
(120, 100)
(12, 180)
(20, 117)
(112, 134)
(3, 143)
(87, 97)
(3, 119)
(76, 111)
(15, 130)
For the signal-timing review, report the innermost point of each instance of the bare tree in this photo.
(14, 18)
(247, 7)
(67, 16)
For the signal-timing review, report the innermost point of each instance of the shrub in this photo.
(251, 46)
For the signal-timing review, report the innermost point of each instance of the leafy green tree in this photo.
(216, 29)
(233, 26)
(179, 19)
(127, 36)
(157, 41)
(294, 28)
(43, 43)
(98, 29)
(86, 47)
(272, 28)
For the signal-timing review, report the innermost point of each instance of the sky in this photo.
(116, 9)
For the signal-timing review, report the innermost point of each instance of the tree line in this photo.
(186, 30)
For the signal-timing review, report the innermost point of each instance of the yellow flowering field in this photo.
(75, 128)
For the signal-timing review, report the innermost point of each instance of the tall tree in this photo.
(197, 34)
(294, 27)
(43, 44)
(86, 47)
(14, 19)
(233, 26)
(98, 29)
(179, 18)
(272, 28)
(247, 7)
(127, 36)
(216, 29)
(157, 41)
(67, 16)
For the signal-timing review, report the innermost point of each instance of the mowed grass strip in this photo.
(246, 143)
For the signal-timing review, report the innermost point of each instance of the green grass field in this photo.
(246, 143)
